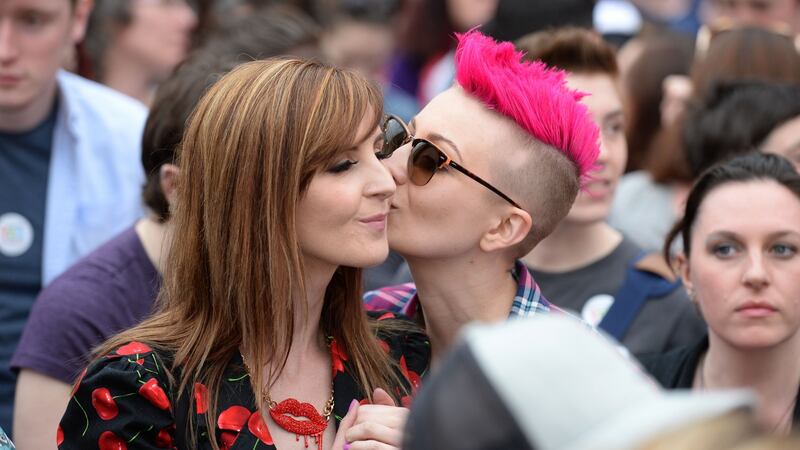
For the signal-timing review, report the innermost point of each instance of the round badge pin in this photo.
(16, 234)
(596, 308)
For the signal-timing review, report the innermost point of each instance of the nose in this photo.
(381, 184)
(755, 274)
(9, 50)
(398, 164)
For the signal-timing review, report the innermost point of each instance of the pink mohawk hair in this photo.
(531, 94)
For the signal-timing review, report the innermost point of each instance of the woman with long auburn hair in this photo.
(260, 339)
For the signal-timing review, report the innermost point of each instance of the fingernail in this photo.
(346, 447)
(352, 405)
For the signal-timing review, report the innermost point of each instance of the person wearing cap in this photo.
(484, 172)
(586, 394)
(740, 263)
(70, 176)
(585, 265)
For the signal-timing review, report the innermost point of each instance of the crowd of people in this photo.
(399, 224)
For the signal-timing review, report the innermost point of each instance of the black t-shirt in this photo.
(24, 168)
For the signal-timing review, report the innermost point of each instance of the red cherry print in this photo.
(153, 392)
(227, 439)
(385, 316)
(78, 381)
(384, 346)
(110, 441)
(364, 401)
(233, 418)
(416, 381)
(410, 375)
(133, 348)
(164, 439)
(104, 404)
(259, 428)
(140, 361)
(406, 401)
(59, 435)
(201, 398)
(337, 356)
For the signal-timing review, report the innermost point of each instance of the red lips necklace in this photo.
(284, 414)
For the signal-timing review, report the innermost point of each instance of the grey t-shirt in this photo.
(662, 323)
(642, 210)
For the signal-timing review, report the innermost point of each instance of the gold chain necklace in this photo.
(327, 410)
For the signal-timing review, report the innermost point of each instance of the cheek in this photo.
(47, 49)
(715, 285)
(435, 222)
(333, 205)
(786, 279)
(620, 156)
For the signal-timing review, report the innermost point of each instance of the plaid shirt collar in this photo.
(403, 298)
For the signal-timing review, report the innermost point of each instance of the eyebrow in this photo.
(613, 115)
(377, 134)
(732, 235)
(436, 137)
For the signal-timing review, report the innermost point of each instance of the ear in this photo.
(80, 19)
(168, 179)
(510, 230)
(684, 271)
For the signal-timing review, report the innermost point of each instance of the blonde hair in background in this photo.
(234, 278)
(736, 430)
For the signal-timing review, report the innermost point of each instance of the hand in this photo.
(377, 426)
(348, 421)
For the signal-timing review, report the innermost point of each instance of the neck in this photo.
(773, 373)
(572, 246)
(124, 75)
(307, 333)
(456, 291)
(26, 118)
(156, 238)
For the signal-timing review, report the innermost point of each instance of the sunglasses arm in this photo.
(466, 172)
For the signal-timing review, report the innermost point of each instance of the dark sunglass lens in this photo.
(393, 136)
(423, 163)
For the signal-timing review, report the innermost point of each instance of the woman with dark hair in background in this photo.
(648, 202)
(739, 117)
(132, 46)
(646, 64)
(740, 263)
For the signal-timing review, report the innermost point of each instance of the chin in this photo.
(587, 218)
(759, 339)
(366, 257)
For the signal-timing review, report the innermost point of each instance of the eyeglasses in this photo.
(426, 158)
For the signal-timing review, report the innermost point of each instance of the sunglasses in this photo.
(426, 158)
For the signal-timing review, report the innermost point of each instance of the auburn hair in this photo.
(234, 271)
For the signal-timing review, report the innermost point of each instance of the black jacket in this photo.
(676, 369)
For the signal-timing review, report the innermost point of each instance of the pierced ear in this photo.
(684, 271)
(168, 176)
(508, 232)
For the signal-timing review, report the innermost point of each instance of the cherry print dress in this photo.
(126, 400)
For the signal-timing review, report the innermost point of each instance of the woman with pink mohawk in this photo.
(484, 172)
